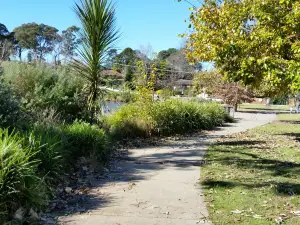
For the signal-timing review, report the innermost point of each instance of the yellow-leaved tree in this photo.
(250, 41)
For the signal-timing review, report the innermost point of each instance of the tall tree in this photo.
(252, 41)
(166, 53)
(111, 54)
(57, 49)
(99, 34)
(127, 57)
(6, 43)
(70, 42)
(39, 38)
(4, 33)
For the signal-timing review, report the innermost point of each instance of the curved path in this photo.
(158, 185)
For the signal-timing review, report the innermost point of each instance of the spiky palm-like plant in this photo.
(99, 34)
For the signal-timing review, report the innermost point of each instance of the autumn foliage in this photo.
(251, 41)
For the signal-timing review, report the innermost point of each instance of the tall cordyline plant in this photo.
(99, 34)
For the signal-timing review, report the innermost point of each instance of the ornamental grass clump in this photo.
(164, 118)
(19, 184)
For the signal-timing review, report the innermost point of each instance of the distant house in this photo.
(112, 78)
(182, 85)
(178, 62)
(112, 74)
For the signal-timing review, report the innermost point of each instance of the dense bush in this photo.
(119, 96)
(175, 116)
(167, 117)
(19, 184)
(33, 161)
(64, 144)
(10, 111)
(85, 140)
(47, 143)
(128, 122)
(43, 87)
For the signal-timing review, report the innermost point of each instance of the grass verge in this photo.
(253, 177)
(263, 107)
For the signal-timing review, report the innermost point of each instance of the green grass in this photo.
(259, 107)
(257, 172)
(19, 184)
(289, 117)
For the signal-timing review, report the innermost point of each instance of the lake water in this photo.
(110, 107)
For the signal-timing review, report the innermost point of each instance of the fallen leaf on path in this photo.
(131, 186)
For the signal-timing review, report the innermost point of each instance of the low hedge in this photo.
(164, 118)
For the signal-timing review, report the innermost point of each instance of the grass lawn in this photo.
(254, 177)
(258, 107)
(289, 117)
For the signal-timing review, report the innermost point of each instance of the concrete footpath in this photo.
(159, 185)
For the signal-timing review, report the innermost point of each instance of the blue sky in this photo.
(142, 22)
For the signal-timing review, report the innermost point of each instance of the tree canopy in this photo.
(7, 42)
(166, 53)
(127, 57)
(252, 41)
(70, 42)
(38, 38)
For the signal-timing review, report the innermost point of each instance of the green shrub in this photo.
(19, 184)
(10, 111)
(43, 87)
(62, 145)
(176, 116)
(129, 122)
(166, 118)
(118, 96)
(47, 143)
(85, 140)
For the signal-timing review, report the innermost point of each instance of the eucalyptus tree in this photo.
(70, 42)
(99, 34)
(38, 38)
(6, 43)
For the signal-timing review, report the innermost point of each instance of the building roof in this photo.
(112, 73)
(182, 82)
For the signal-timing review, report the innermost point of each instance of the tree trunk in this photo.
(20, 54)
(55, 60)
(36, 57)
